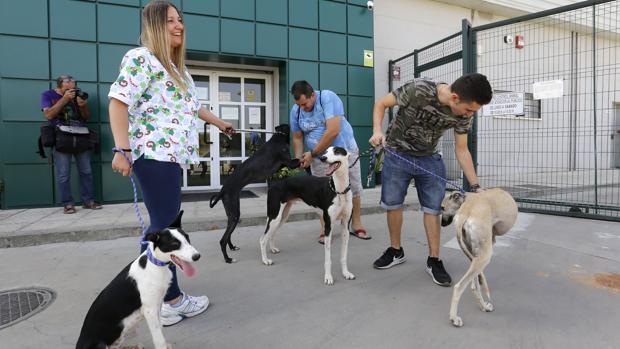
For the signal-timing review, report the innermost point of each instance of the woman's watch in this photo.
(313, 153)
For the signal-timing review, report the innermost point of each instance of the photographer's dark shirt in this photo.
(67, 115)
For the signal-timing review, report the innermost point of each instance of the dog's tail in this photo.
(214, 199)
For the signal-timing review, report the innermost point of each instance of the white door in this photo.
(243, 99)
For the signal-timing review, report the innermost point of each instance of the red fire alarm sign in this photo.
(519, 41)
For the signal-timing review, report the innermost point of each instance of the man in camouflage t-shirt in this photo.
(426, 109)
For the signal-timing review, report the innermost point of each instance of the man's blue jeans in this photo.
(62, 165)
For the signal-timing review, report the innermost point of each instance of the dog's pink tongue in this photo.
(187, 268)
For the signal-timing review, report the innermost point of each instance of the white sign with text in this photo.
(504, 104)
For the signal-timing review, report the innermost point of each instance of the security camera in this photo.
(370, 5)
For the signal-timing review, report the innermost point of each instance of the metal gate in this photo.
(560, 154)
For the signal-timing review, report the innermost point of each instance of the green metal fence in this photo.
(560, 152)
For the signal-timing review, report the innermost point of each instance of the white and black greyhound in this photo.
(138, 291)
(332, 197)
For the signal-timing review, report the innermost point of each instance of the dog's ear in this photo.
(177, 221)
(152, 237)
(457, 197)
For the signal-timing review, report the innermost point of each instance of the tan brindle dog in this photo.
(478, 217)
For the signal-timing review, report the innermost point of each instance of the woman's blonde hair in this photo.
(155, 37)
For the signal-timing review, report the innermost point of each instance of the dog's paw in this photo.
(456, 321)
(348, 275)
(267, 262)
(488, 307)
(275, 250)
(329, 279)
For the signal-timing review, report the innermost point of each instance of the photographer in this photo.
(67, 105)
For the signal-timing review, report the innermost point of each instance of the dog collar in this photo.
(332, 186)
(153, 259)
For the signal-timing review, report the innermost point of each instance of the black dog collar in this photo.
(332, 186)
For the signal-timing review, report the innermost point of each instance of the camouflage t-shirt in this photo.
(421, 119)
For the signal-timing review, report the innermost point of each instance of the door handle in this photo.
(204, 134)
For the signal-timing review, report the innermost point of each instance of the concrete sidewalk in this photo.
(554, 283)
(28, 227)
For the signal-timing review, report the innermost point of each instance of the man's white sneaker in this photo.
(188, 306)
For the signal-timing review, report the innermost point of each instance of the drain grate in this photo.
(20, 304)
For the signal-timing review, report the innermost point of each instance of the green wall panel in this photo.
(104, 89)
(359, 20)
(271, 40)
(333, 77)
(110, 57)
(241, 9)
(301, 70)
(361, 111)
(28, 185)
(117, 187)
(24, 17)
(332, 15)
(206, 7)
(118, 24)
(362, 135)
(20, 99)
(333, 47)
(106, 141)
(356, 47)
(358, 2)
(303, 44)
(361, 81)
(303, 13)
(202, 33)
(123, 2)
(24, 57)
(237, 36)
(73, 20)
(21, 138)
(272, 11)
(78, 59)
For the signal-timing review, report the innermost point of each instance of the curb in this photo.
(43, 238)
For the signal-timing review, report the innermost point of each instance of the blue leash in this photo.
(392, 152)
(149, 252)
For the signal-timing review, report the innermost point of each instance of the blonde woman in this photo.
(153, 111)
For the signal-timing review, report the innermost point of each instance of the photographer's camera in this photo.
(81, 94)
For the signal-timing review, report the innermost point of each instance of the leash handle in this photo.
(392, 152)
(371, 164)
(135, 195)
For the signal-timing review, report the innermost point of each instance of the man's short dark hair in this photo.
(301, 87)
(473, 88)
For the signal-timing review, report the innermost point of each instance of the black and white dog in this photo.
(263, 163)
(330, 195)
(138, 291)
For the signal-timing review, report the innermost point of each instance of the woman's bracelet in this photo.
(118, 150)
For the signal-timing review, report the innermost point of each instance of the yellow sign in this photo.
(369, 58)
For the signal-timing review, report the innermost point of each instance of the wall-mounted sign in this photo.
(369, 58)
(548, 89)
(504, 103)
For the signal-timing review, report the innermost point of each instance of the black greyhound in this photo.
(272, 156)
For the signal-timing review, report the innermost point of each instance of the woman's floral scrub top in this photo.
(162, 117)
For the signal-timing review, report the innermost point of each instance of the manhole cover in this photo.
(20, 304)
